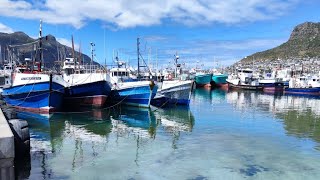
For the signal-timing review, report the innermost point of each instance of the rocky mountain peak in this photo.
(305, 30)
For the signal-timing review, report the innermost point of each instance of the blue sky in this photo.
(198, 30)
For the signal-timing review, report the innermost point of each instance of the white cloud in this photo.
(157, 38)
(129, 13)
(67, 42)
(5, 29)
(207, 51)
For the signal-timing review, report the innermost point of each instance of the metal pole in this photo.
(92, 50)
(138, 54)
(40, 44)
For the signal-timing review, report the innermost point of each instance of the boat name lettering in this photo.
(31, 78)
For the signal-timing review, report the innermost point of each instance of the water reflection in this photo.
(134, 143)
(77, 139)
(134, 120)
(49, 134)
(300, 115)
(174, 121)
(218, 96)
(201, 95)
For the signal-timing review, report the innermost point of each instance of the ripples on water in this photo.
(223, 135)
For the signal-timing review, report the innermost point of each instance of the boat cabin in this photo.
(119, 75)
(72, 67)
(244, 74)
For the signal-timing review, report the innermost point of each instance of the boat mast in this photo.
(138, 54)
(73, 56)
(40, 46)
(176, 57)
(92, 50)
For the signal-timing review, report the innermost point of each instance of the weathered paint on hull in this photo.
(39, 97)
(245, 87)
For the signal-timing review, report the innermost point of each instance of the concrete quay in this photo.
(6, 138)
(6, 149)
(7, 169)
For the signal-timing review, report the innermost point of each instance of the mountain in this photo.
(304, 42)
(51, 47)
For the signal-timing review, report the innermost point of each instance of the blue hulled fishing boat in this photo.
(85, 88)
(125, 90)
(303, 86)
(34, 90)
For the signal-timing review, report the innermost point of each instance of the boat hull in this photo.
(276, 87)
(44, 97)
(177, 92)
(203, 80)
(306, 91)
(139, 95)
(93, 94)
(245, 87)
(219, 80)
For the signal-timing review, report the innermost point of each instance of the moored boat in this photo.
(136, 93)
(271, 84)
(219, 80)
(42, 93)
(310, 90)
(303, 86)
(245, 87)
(276, 87)
(176, 92)
(33, 89)
(203, 79)
(243, 80)
(126, 90)
(85, 89)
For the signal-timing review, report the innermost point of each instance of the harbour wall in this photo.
(6, 149)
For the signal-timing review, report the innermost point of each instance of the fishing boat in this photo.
(33, 89)
(203, 79)
(35, 92)
(130, 91)
(219, 80)
(271, 84)
(303, 86)
(85, 88)
(243, 80)
(175, 91)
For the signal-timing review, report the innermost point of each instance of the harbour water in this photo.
(222, 135)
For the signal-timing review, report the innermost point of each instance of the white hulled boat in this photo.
(244, 79)
(174, 91)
